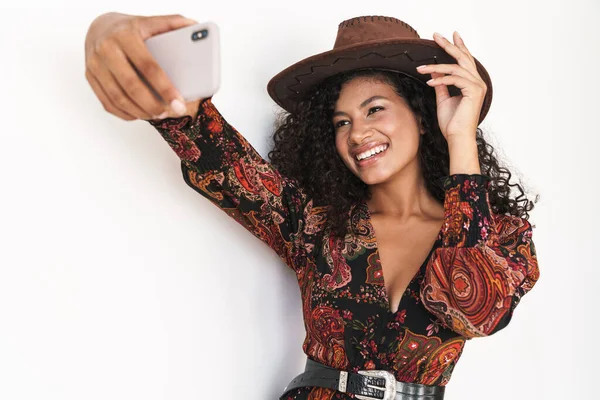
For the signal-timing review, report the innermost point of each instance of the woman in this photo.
(374, 196)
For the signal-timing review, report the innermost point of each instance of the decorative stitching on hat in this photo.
(312, 68)
(350, 22)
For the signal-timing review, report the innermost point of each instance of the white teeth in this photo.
(370, 152)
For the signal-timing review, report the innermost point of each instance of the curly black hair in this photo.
(303, 148)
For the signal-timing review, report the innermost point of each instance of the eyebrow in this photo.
(362, 105)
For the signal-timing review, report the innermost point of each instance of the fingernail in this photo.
(163, 115)
(421, 66)
(439, 35)
(178, 106)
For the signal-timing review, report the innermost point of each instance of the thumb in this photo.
(151, 26)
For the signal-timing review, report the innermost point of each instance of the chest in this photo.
(402, 249)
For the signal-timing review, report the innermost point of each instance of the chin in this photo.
(372, 182)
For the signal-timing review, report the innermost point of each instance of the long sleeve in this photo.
(486, 262)
(219, 164)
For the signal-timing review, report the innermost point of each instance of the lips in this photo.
(371, 160)
(366, 147)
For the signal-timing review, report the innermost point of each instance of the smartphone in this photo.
(191, 58)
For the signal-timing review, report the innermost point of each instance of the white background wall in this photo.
(117, 281)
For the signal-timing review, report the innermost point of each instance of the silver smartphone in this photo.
(191, 58)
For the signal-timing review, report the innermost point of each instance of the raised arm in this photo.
(486, 263)
(220, 164)
(216, 160)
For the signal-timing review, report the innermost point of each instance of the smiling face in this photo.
(369, 114)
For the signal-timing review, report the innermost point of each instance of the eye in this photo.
(338, 124)
(375, 108)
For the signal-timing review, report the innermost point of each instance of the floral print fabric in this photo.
(468, 286)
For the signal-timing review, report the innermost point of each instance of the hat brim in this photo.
(401, 55)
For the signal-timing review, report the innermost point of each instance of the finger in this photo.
(150, 70)
(120, 67)
(453, 69)
(102, 96)
(150, 26)
(114, 92)
(459, 42)
(467, 87)
(461, 57)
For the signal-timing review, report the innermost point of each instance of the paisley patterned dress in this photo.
(468, 286)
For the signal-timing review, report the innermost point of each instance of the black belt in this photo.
(365, 385)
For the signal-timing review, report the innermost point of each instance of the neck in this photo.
(404, 196)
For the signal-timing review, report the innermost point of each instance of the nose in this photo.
(358, 133)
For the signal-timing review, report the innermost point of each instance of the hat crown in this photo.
(373, 27)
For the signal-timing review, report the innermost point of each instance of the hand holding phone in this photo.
(190, 57)
(117, 56)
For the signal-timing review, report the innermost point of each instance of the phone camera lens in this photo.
(200, 34)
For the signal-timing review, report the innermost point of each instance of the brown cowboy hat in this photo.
(368, 42)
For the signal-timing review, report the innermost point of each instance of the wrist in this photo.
(192, 109)
(464, 156)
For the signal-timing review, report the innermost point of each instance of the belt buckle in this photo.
(389, 391)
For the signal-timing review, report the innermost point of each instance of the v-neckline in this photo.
(417, 274)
